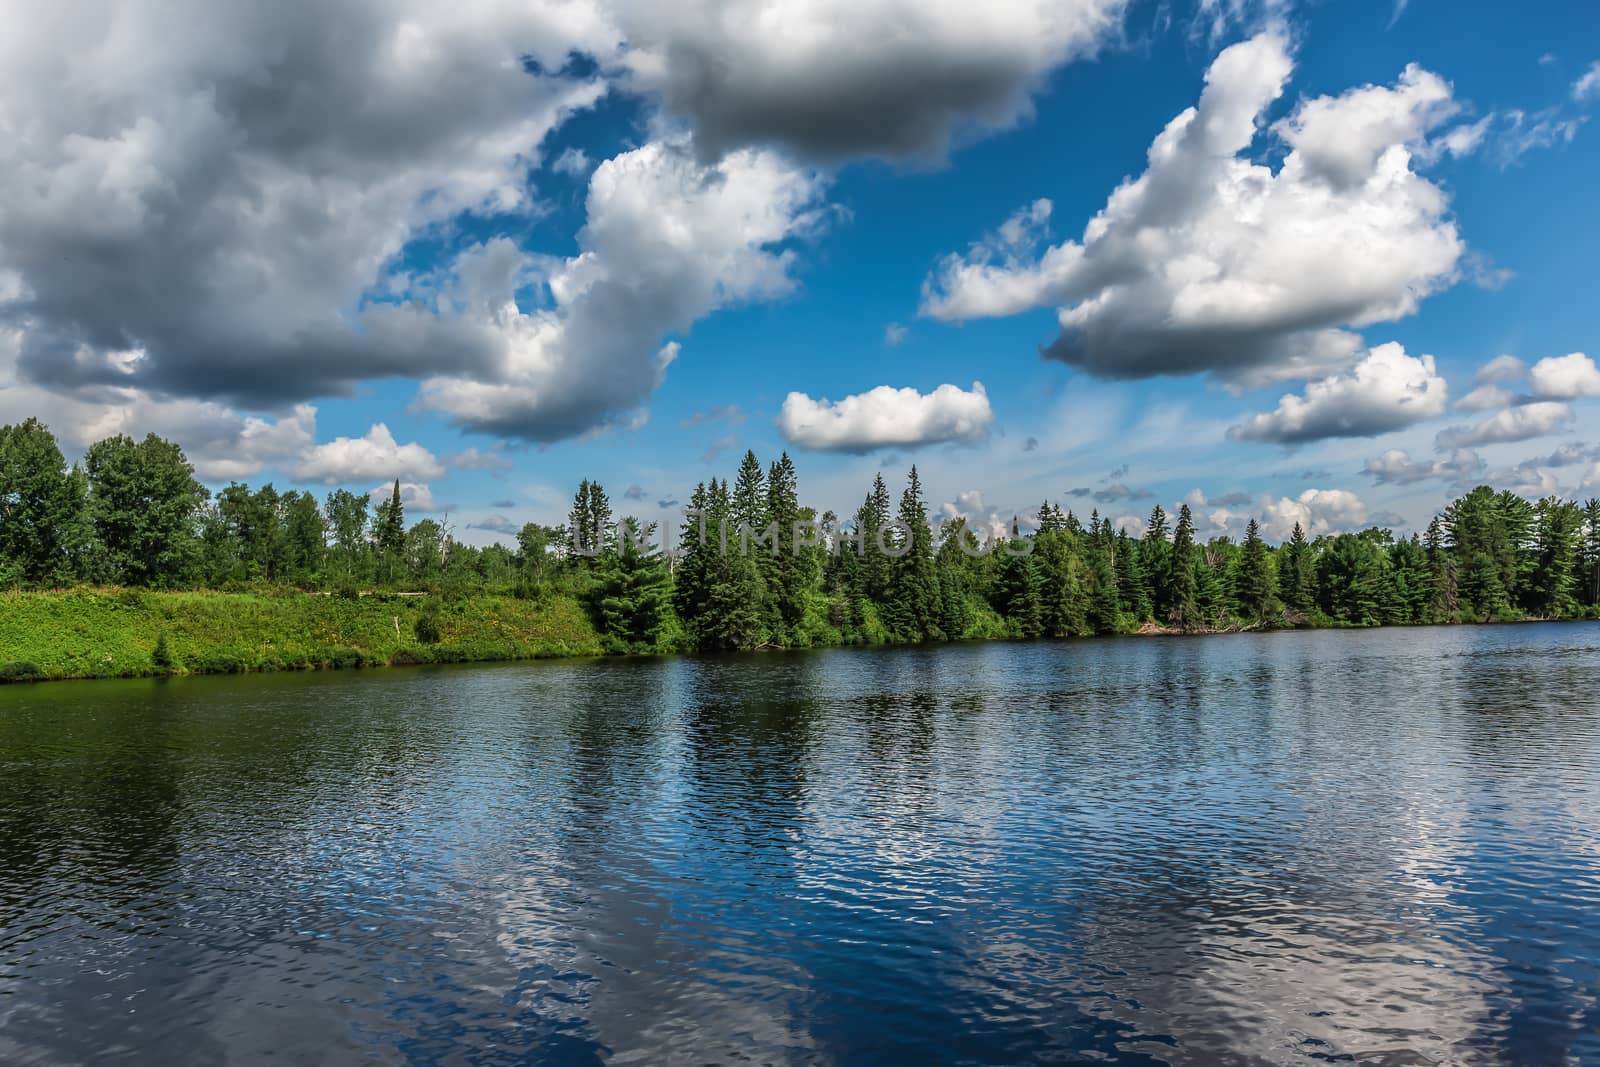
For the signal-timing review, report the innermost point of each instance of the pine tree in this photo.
(912, 607)
(1183, 609)
(1591, 553)
(1299, 573)
(1156, 559)
(1255, 590)
(792, 571)
(871, 520)
(631, 592)
(1017, 589)
(1553, 579)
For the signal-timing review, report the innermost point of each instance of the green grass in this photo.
(113, 633)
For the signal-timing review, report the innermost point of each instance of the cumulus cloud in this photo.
(984, 521)
(897, 79)
(360, 459)
(1388, 390)
(415, 497)
(1318, 511)
(1396, 467)
(1514, 424)
(886, 417)
(668, 240)
(1566, 377)
(206, 190)
(1209, 261)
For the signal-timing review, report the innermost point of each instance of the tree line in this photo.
(133, 513)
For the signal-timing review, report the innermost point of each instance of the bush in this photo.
(344, 659)
(348, 591)
(427, 629)
(218, 663)
(19, 672)
(161, 658)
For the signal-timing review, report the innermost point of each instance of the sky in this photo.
(1327, 263)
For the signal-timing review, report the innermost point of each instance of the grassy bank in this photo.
(118, 633)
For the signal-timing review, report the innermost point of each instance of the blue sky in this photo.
(487, 230)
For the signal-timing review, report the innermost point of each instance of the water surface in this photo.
(1374, 846)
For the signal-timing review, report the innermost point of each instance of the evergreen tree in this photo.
(1299, 575)
(1017, 589)
(1183, 609)
(1591, 553)
(631, 592)
(792, 571)
(871, 521)
(389, 535)
(1555, 572)
(913, 604)
(1255, 592)
(1155, 555)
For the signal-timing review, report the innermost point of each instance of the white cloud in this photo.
(894, 334)
(574, 163)
(668, 240)
(1517, 132)
(1505, 368)
(1513, 424)
(1212, 262)
(1587, 87)
(1396, 467)
(886, 417)
(829, 79)
(478, 459)
(217, 183)
(375, 455)
(1318, 511)
(414, 497)
(1388, 390)
(1485, 398)
(1565, 377)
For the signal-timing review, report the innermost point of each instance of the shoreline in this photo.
(211, 633)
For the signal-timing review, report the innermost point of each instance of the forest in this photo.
(133, 515)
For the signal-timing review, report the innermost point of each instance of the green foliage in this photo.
(20, 671)
(161, 657)
(743, 576)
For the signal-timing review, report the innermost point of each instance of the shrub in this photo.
(348, 590)
(19, 671)
(344, 659)
(218, 663)
(161, 658)
(427, 629)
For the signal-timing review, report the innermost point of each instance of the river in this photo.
(1278, 848)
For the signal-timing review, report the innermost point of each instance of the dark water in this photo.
(1381, 847)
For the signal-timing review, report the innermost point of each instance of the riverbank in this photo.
(131, 633)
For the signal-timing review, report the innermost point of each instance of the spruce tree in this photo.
(1255, 575)
(1183, 609)
(913, 604)
(1156, 558)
